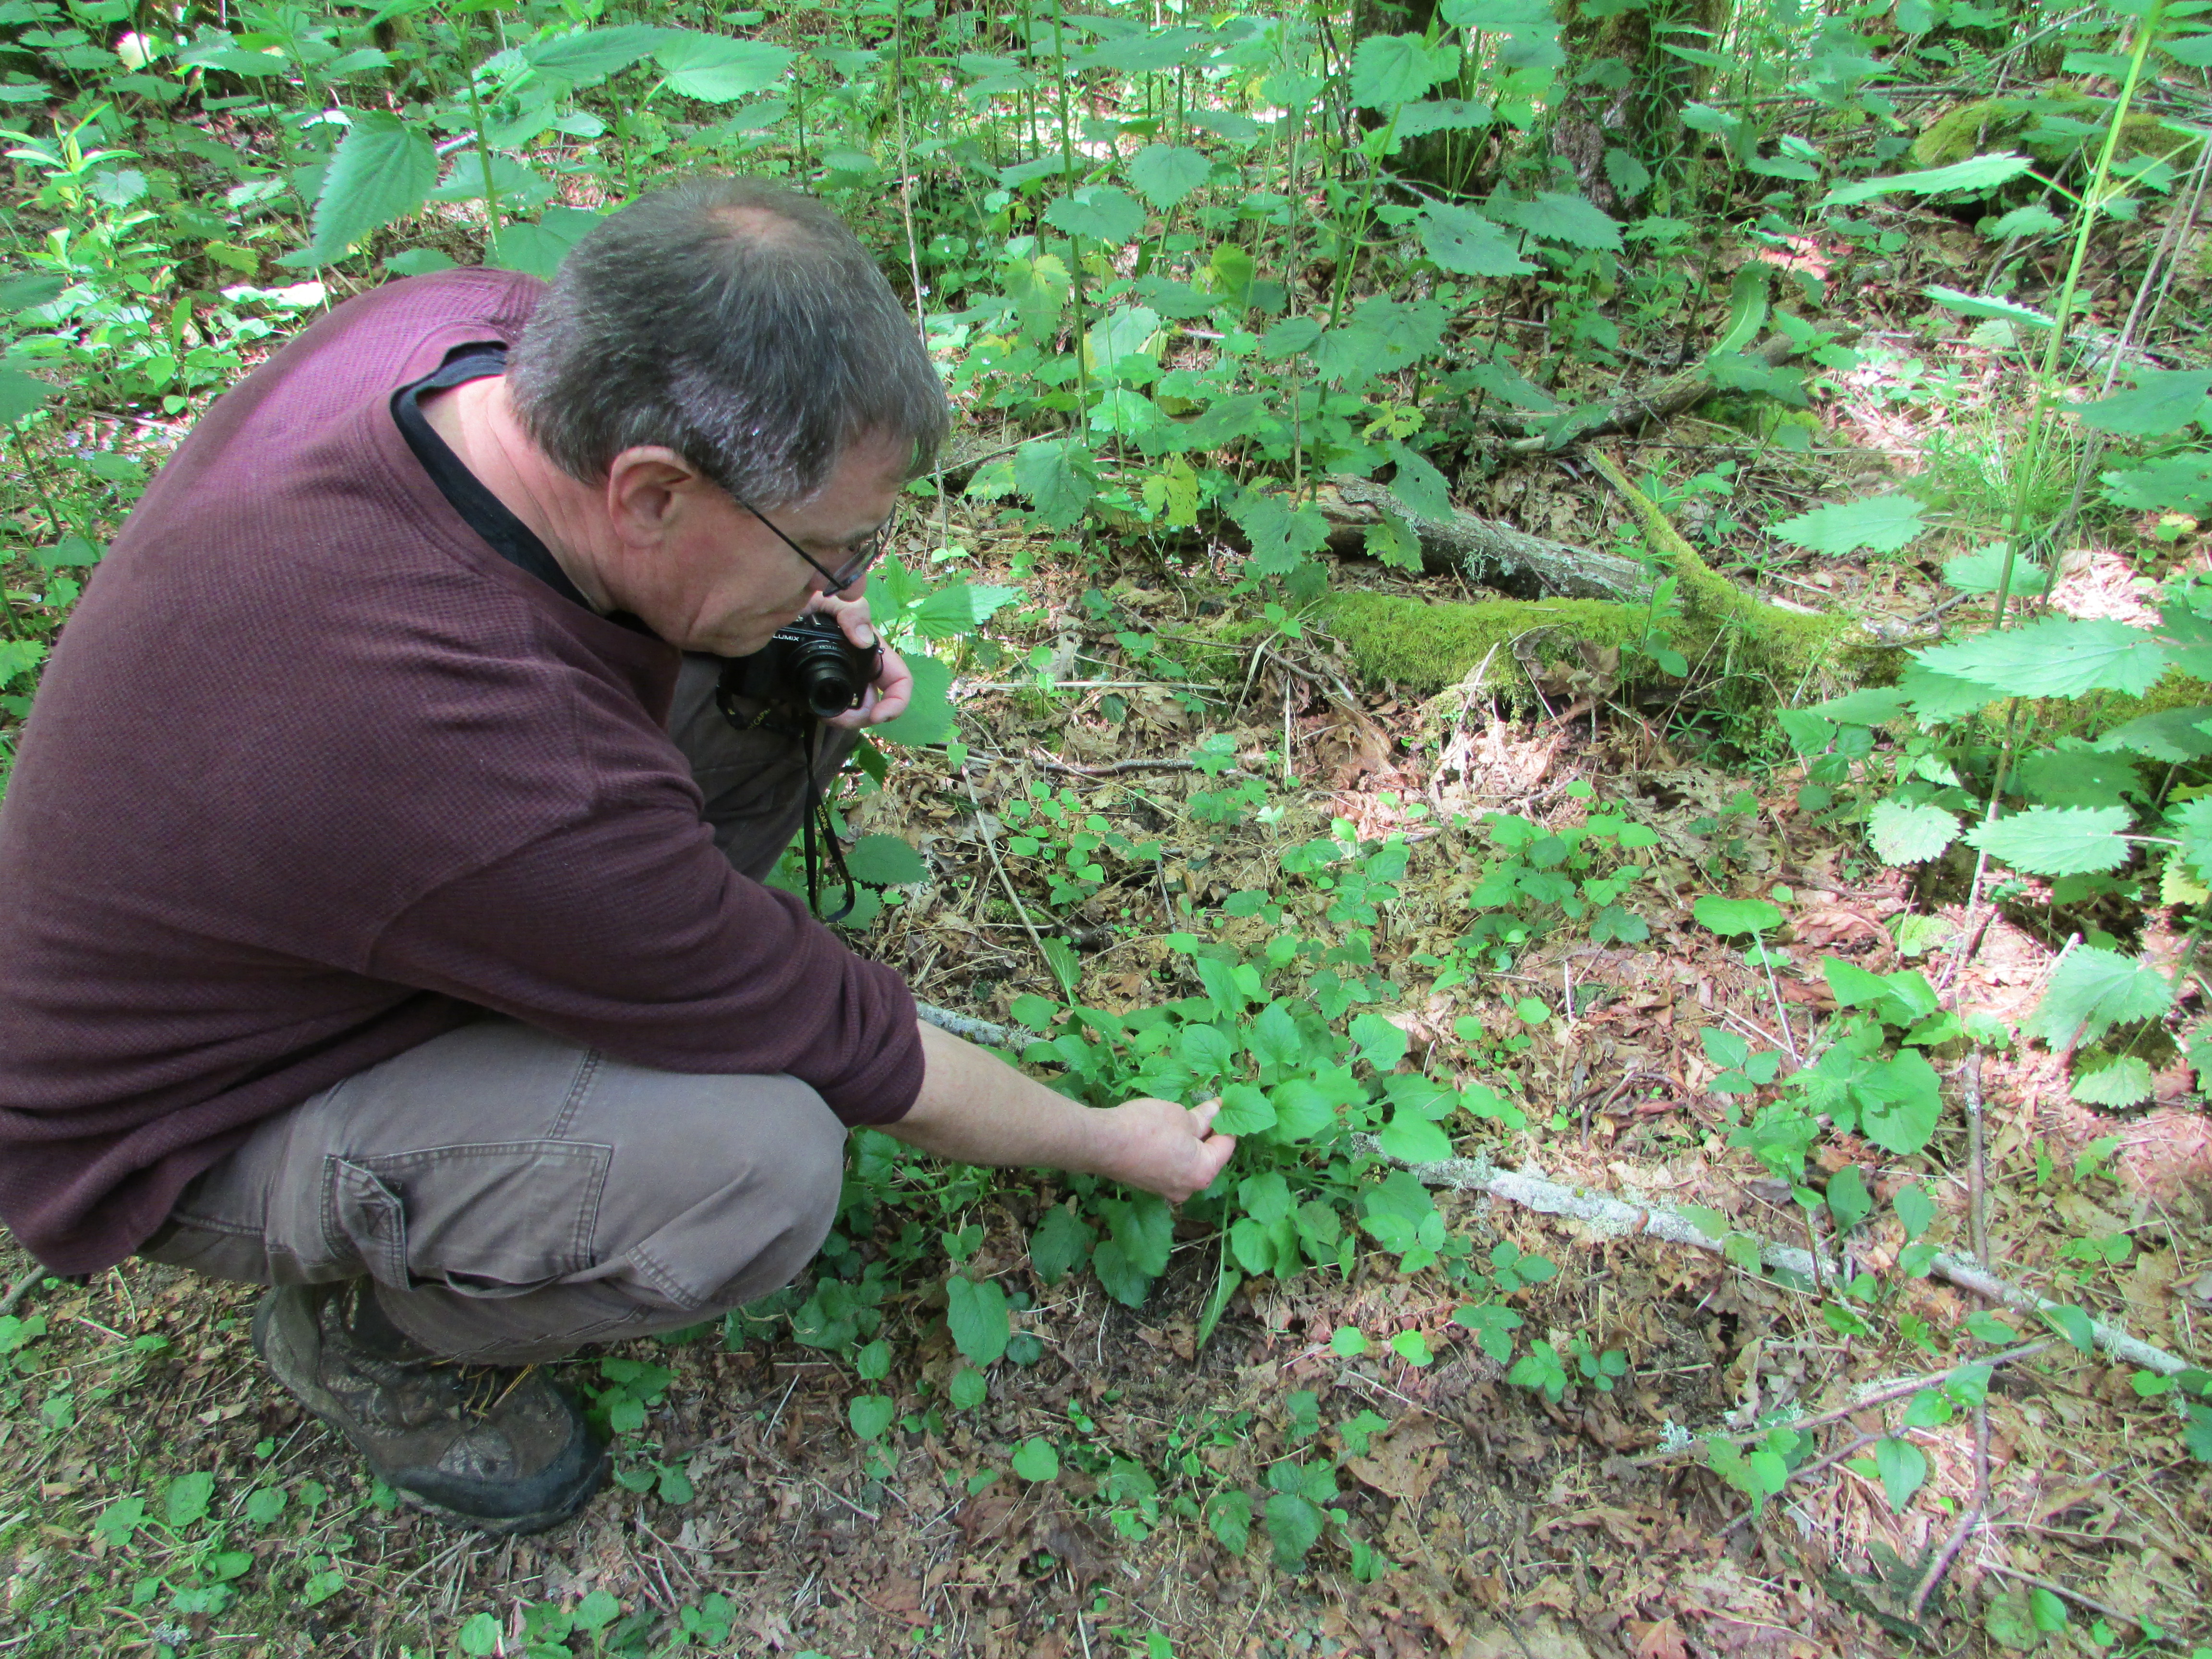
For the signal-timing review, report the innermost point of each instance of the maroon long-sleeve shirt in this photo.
(314, 775)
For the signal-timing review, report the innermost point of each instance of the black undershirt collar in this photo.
(484, 512)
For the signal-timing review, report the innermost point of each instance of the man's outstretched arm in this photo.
(975, 1107)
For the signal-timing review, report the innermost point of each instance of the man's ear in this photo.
(647, 489)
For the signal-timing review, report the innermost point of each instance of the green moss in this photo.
(2050, 128)
(1758, 417)
(1424, 647)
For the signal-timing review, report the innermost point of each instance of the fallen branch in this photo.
(1483, 549)
(1670, 396)
(1617, 1218)
(21, 1289)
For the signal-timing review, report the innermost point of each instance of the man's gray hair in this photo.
(741, 325)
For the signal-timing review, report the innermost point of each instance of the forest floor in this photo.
(1517, 1525)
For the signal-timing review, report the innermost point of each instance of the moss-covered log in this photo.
(1749, 652)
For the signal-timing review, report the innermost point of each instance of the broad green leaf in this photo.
(29, 289)
(1301, 1110)
(1981, 570)
(20, 394)
(383, 168)
(1910, 834)
(1244, 1111)
(1418, 487)
(188, 1499)
(1873, 706)
(2173, 483)
(1413, 1347)
(1444, 115)
(2057, 840)
(1980, 173)
(928, 718)
(885, 861)
(1229, 1516)
(1165, 173)
(1035, 1459)
(121, 1518)
(1560, 217)
(1060, 1245)
(1059, 476)
(976, 1313)
(1730, 917)
(2160, 402)
(1123, 1279)
(1144, 1225)
(2093, 990)
(1293, 1527)
(716, 69)
(2054, 657)
(1382, 1044)
(1904, 1468)
(1098, 211)
(1748, 307)
(538, 248)
(1411, 1138)
(1390, 69)
(1126, 332)
(1983, 305)
(1915, 1209)
(2033, 219)
(1273, 1038)
(2171, 735)
(592, 54)
(871, 1415)
(1280, 535)
(1900, 1102)
(960, 608)
(2074, 774)
(1879, 523)
(1934, 698)
(1847, 1199)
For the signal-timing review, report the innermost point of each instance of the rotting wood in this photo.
(1483, 549)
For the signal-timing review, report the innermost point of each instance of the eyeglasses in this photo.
(853, 570)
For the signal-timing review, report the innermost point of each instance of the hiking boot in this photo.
(493, 1447)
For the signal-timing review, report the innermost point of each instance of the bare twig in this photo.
(1968, 1523)
(1977, 1166)
(22, 1288)
(991, 845)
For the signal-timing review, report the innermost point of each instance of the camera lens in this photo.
(823, 674)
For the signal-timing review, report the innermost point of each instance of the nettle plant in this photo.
(1993, 753)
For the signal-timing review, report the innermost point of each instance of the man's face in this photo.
(721, 581)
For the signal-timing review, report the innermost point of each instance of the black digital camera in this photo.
(810, 664)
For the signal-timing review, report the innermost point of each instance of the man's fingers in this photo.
(1204, 1113)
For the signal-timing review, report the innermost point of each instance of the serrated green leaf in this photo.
(1059, 476)
(1099, 211)
(2054, 657)
(1909, 835)
(2093, 990)
(2057, 840)
(1035, 1459)
(1560, 217)
(1293, 1527)
(1983, 305)
(1229, 1516)
(20, 394)
(2075, 774)
(590, 55)
(1280, 535)
(1390, 69)
(1244, 1111)
(928, 718)
(1418, 487)
(885, 861)
(2126, 1081)
(1382, 1044)
(1445, 115)
(1731, 918)
(2162, 400)
(1301, 1110)
(2033, 219)
(2173, 483)
(1980, 173)
(188, 1499)
(1981, 570)
(960, 608)
(1900, 1102)
(1165, 173)
(27, 290)
(1879, 523)
(383, 168)
(718, 69)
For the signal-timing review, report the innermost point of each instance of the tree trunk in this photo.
(1624, 91)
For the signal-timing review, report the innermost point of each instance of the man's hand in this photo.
(975, 1107)
(887, 699)
(1163, 1148)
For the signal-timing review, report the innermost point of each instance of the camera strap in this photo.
(817, 813)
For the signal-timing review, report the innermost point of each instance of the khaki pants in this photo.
(513, 1195)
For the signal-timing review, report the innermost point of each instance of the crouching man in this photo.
(386, 923)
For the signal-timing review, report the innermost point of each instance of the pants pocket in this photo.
(491, 1220)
